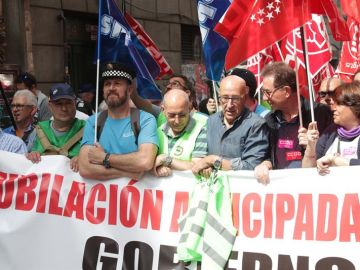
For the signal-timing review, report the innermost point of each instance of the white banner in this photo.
(51, 218)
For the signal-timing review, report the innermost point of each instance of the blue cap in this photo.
(86, 87)
(61, 90)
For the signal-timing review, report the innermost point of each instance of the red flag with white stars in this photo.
(251, 26)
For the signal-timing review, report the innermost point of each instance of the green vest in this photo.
(206, 230)
(59, 141)
(184, 145)
(198, 116)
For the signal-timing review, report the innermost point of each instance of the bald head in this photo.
(234, 84)
(176, 97)
(176, 108)
(327, 89)
(329, 84)
(233, 92)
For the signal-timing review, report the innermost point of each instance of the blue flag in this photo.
(214, 45)
(120, 44)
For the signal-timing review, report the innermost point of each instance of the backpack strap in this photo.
(135, 122)
(49, 149)
(100, 123)
(134, 119)
(70, 143)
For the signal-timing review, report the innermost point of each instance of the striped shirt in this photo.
(11, 143)
(200, 149)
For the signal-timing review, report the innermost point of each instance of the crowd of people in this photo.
(131, 135)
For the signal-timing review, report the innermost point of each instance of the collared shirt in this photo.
(200, 149)
(29, 135)
(11, 143)
(245, 144)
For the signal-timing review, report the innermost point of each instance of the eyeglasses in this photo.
(323, 94)
(234, 99)
(270, 93)
(19, 106)
(174, 84)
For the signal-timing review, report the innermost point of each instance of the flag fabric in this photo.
(350, 54)
(337, 24)
(319, 53)
(256, 63)
(214, 45)
(317, 40)
(150, 45)
(119, 43)
(351, 8)
(251, 26)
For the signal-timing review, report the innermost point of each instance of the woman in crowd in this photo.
(339, 145)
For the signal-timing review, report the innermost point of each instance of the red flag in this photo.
(351, 8)
(350, 53)
(337, 24)
(317, 43)
(251, 26)
(150, 46)
(271, 54)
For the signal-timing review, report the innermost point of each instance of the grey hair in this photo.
(30, 97)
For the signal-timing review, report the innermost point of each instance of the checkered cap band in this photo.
(116, 73)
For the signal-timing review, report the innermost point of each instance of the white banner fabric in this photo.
(51, 218)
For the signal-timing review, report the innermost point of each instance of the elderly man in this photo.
(24, 107)
(62, 135)
(279, 89)
(327, 90)
(121, 151)
(251, 102)
(28, 81)
(239, 138)
(182, 138)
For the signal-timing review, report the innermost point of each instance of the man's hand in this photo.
(96, 154)
(204, 166)
(162, 171)
(261, 173)
(34, 156)
(74, 164)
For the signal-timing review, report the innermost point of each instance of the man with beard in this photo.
(237, 138)
(119, 152)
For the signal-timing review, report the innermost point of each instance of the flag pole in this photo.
(258, 78)
(297, 79)
(98, 69)
(215, 95)
(306, 62)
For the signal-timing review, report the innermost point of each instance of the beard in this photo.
(115, 102)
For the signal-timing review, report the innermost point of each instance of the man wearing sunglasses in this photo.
(237, 138)
(327, 90)
(279, 90)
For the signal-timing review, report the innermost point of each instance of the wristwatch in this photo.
(218, 163)
(168, 160)
(106, 161)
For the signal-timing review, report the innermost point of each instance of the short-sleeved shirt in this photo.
(117, 136)
(11, 143)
